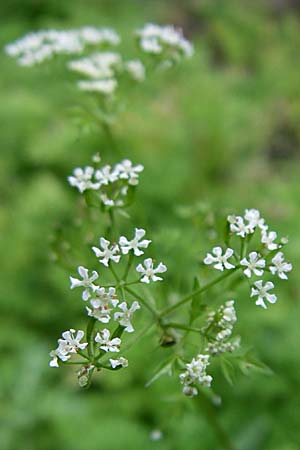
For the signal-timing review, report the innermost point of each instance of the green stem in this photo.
(211, 417)
(129, 264)
(147, 305)
(198, 291)
(183, 327)
(89, 336)
(114, 273)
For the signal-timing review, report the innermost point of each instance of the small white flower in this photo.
(136, 70)
(254, 219)
(190, 391)
(105, 87)
(82, 179)
(72, 339)
(280, 266)
(268, 240)
(127, 171)
(124, 317)
(106, 343)
(102, 304)
(219, 259)
(135, 244)
(238, 226)
(86, 282)
(254, 264)
(106, 175)
(108, 253)
(149, 272)
(118, 362)
(195, 372)
(261, 291)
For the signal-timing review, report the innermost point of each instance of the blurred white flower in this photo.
(149, 271)
(82, 179)
(268, 240)
(136, 70)
(219, 259)
(118, 362)
(126, 171)
(106, 87)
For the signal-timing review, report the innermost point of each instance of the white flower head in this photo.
(268, 239)
(254, 265)
(123, 362)
(261, 291)
(280, 266)
(82, 179)
(105, 87)
(195, 372)
(135, 244)
(136, 70)
(219, 259)
(126, 171)
(106, 175)
(124, 317)
(238, 226)
(67, 346)
(86, 282)
(106, 343)
(254, 219)
(103, 304)
(149, 271)
(107, 252)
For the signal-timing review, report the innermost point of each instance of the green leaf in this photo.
(197, 306)
(251, 363)
(228, 370)
(166, 368)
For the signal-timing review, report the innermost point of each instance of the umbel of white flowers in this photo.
(39, 46)
(103, 302)
(111, 184)
(261, 261)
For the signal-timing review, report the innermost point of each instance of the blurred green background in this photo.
(216, 134)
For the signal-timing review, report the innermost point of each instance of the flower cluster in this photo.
(267, 257)
(37, 47)
(104, 305)
(218, 330)
(165, 42)
(103, 70)
(195, 373)
(111, 184)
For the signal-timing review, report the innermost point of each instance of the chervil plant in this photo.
(109, 289)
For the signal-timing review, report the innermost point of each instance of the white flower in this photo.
(280, 266)
(219, 260)
(255, 264)
(124, 317)
(118, 362)
(105, 87)
(129, 172)
(157, 39)
(149, 271)
(86, 282)
(102, 304)
(106, 175)
(67, 346)
(254, 219)
(106, 343)
(108, 253)
(82, 179)
(99, 66)
(136, 70)
(268, 240)
(238, 226)
(195, 372)
(135, 244)
(262, 293)
(189, 391)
